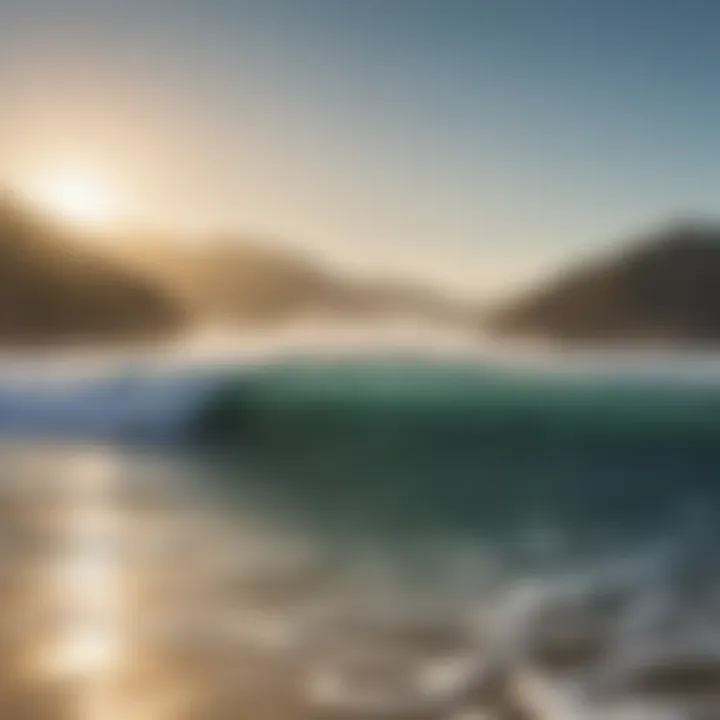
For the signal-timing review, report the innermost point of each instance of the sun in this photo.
(76, 195)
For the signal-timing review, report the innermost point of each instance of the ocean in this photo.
(376, 536)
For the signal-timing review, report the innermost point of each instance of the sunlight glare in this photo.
(76, 195)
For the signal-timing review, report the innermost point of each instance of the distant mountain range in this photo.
(663, 290)
(59, 288)
(249, 283)
(56, 288)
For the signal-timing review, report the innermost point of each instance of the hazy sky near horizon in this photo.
(479, 141)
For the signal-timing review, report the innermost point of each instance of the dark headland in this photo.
(662, 290)
(55, 290)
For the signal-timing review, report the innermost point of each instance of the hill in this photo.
(664, 290)
(55, 290)
(250, 283)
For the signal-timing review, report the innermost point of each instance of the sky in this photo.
(477, 143)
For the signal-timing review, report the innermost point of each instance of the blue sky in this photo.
(479, 142)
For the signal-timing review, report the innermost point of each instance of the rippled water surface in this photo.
(137, 587)
(476, 550)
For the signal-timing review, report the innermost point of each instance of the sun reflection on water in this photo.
(87, 586)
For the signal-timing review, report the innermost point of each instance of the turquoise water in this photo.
(413, 447)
